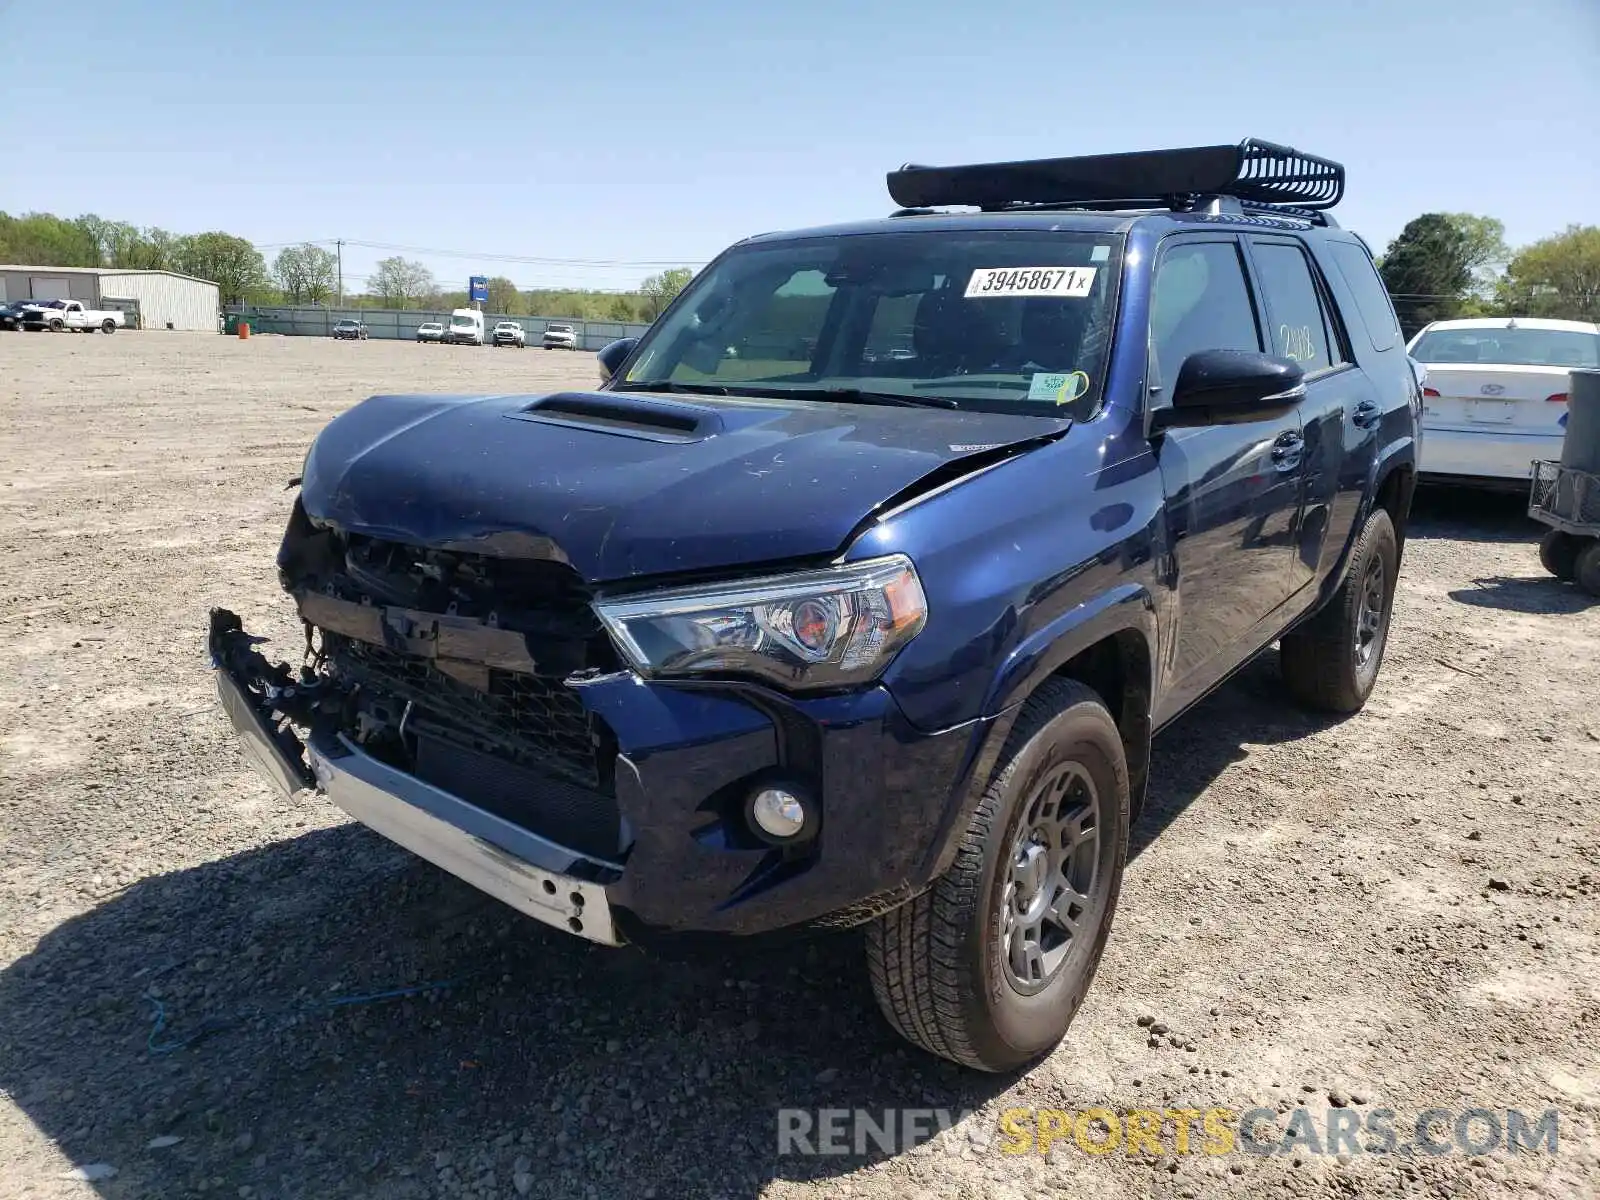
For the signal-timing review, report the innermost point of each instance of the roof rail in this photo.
(1254, 172)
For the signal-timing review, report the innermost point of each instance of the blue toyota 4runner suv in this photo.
(856, 591)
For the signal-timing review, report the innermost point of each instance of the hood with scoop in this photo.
(624, 485)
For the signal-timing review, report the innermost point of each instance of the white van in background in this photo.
(465, 328)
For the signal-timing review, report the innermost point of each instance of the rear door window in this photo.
(1296, 323)
(1372, 298)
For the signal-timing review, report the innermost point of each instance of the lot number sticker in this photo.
(1071, 282)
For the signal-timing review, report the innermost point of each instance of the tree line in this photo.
(1447, 265)
(1441, 265)
(304, 274)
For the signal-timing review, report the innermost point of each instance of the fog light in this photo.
(779, 813)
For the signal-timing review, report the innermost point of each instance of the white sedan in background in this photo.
(1495, 394)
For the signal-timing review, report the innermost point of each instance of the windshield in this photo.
(462, 321)
(559, 329)
(1012, 320)
(1510, 347)
(347, 325)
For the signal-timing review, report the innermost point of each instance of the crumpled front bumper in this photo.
(514, 865)
(892, 803)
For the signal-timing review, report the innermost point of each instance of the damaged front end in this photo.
(419, 682)
(473, 708)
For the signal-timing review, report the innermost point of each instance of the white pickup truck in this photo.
(71, 314)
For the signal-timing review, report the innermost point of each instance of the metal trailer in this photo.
(1566, 494)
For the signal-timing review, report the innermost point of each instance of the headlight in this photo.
(815, 629)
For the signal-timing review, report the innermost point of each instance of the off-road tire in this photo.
(1587, 572)
(1559, 552)
(1320, 660)
(937, 964)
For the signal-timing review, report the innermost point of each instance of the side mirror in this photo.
(613, 355)
(1226, 387)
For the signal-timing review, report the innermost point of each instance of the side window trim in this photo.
(1331, 323)
(1161, 389)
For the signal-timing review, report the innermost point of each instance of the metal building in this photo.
(152, 299)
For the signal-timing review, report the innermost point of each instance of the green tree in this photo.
(658, 291)
(1486, 250)
(306, 274)
(401, 283)
(45, 240)
(232, 263)
(1426, 271)
(1558, 276)
(503, 296)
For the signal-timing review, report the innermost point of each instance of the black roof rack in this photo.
(1253, 172)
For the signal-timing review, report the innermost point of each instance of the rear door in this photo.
(1340, 414)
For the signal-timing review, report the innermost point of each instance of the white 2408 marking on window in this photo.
(1071, 282)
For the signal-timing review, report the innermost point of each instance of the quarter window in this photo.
(1296, 321)
(1200, 301)
(1372, 298)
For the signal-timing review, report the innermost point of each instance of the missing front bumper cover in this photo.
(534, 875)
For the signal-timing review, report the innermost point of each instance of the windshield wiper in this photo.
(666, 385)
(845, 395)
(861, 396)
(840, 395)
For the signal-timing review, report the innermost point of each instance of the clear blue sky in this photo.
(659, 132)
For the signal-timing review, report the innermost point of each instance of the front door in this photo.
(1232, 491)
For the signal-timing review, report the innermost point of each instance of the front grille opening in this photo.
(532, 720)
(519, 744)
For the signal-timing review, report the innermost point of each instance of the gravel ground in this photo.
(1395, 911)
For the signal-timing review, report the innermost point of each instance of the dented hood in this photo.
(628, 484)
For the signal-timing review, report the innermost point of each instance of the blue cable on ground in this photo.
(216, 1024)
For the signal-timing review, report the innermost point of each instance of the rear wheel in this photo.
(1559, 552)
(989, 966)
(1588, 567)
(1331, 662)
(108, 326)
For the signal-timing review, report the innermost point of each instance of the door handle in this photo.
(1366, 415)
(1286, 450)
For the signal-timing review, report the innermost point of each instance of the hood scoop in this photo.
(653, 418)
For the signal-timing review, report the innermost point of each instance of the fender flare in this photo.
(1127, 608)
(1398, 455)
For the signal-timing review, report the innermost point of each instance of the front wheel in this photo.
(989, 966)
(1331, 662)
(57, 325)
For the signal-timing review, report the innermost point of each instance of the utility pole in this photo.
(340, 244)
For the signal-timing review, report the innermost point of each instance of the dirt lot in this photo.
(1396, 911)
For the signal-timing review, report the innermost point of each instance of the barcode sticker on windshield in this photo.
(1030, 281)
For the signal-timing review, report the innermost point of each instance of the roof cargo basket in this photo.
(1254, 172)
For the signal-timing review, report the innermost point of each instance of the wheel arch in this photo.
(1107, 644)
